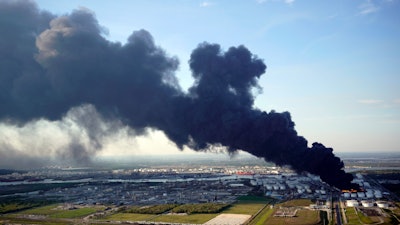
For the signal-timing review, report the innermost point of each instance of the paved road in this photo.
(338, 217)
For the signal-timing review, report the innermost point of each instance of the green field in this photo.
(129, 217)
(154, 209)
(53, 212)
(262, 217)
(44, 210)
(355, 218)
(249, 205)
(194, 218)
(303, 217)
(244, 208)
(296, 202)
(253, 198)
(27, 221)
(74, 213)
(237, 208)
(15, 204)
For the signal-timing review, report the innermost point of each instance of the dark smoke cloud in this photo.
(50, 65)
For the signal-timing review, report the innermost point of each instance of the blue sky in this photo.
(334, 65)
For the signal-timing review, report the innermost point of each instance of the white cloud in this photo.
(367, 7)
(288, 2)
(206, 4)
(370, 101)
(396, 101)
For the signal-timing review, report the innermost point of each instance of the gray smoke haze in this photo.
(58, 68)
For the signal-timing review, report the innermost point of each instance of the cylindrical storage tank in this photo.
(382, 204)
(291, 186)
(378, 194)
(369, 195)
(361, 194)
(346, 195)
(351, 203)
(367, 204)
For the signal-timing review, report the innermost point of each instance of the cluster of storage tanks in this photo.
(299, 187)
(367, 203)
(278, 184)
(364, 198)
(368, 194)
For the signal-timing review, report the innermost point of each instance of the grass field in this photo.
(44, 210)
(303, 217)
(261, 218)
(244, 208)
(238, 208)
(74, 213)
(12, 207)
(296, 202)
(253, 198)
(59, 213)
(129, 217)
(26, 221)
(194, 218)
(354, 218)
(249, 205)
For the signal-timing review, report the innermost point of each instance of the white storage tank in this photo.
(291, 185)
(351, 203)
(369, 195)
(378, 194)
(382, 204)
(367, 203)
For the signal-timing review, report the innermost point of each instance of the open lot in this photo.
(229, 219)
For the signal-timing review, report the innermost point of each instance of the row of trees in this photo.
(175, 208)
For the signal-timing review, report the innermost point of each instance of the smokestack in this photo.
(51, 64)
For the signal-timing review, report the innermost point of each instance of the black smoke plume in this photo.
(50, 64)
